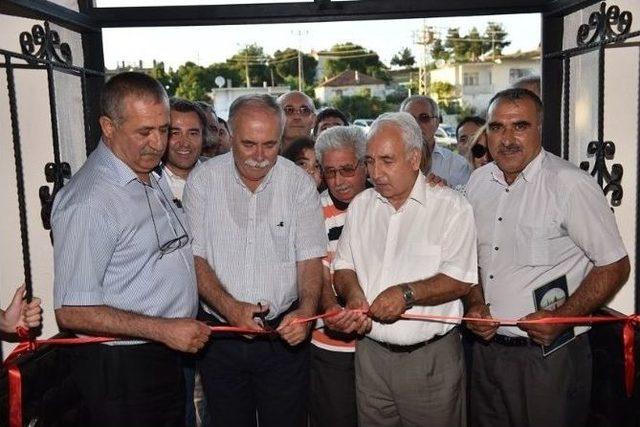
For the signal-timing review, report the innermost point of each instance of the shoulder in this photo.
(479, 177)
(446, 197)
(211, 168)
(564, 176)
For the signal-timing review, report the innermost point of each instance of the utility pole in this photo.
(300, 71)
(246, 65)
(424, 38)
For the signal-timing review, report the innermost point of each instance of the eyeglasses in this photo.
(173, 244)
(478, 151)
(424, 118)
(345, 171)
(303, 111)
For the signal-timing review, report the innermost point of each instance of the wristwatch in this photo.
(408, 295)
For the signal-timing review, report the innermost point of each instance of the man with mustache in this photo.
(124, 268)
(406, 246)
(300, 116)
(544, 227)
(258, 244)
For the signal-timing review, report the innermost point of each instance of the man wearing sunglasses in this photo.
(124, 268)
(258, 244)
(548, 247)
(446, 164)
(300, 116)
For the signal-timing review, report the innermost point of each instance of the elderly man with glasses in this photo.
(446, 164)
(258, 244)
(124, 268)
(300, 116)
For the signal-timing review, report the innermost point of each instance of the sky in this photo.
(209, 44)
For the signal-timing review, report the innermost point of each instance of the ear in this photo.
(415, 157)
(107, 126)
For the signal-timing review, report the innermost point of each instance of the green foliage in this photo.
(167, 78)
(285, 65)
(349, 56)
(446, 95)
(471, 46)
(253, 58)
(361, 106)
(403, 58)
(495, 38)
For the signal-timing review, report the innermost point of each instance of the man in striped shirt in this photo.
(124, 267)
(340, 151)
(258, 244)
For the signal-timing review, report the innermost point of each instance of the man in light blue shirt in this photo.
(446, 164)
(124, 267)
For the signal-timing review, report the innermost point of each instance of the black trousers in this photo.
(263, 380)
(128, 385)
(333, 389)
(515, 386)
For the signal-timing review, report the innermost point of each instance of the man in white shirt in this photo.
(544, 226)
(406, 246)
(186, 135)
(446, 164)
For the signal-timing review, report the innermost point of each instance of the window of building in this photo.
(471, 79)
(517, 73)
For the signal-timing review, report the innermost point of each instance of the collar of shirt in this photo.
(417, 194)
(119, 172)
(437, 149)
(528, 174)
(265, 181)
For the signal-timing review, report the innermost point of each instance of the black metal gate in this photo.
(42, 49)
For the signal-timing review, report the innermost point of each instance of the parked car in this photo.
(365, 124)
(444, 139)
(450, 130)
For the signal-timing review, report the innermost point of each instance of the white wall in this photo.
(620, 123)
(35, 133)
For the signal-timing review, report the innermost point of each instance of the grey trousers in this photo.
(517, 387)
(425, 387)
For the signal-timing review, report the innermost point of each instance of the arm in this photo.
(309, 278)
(598, 287)
(439, 289)
(236, 312)
(187, 335)
(20, 314)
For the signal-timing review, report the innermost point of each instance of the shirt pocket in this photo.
(281, 239)
(533, 246)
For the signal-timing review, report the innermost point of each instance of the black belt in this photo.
(512, 341)
(396, 348)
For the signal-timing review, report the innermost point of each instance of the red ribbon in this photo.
(15, 378)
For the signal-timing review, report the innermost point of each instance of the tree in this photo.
(194, 83)
(226, 71)
(361, 106)
(285, 64)
(474, 45)
(251, 60)
(168, 78)
(495, 39)
(349, 56)
(439, 51)
(403, 58)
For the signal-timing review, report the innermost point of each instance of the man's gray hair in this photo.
(341, 138)
(409, 129)
(262, 101)
(132, 85)
(435, 110)
(283, 98)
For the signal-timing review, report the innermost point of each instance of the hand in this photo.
(343, 321)
(243, 314)
(542, 333)
(20, 314)
(388, 305)
(485, 330)
(188, 335)
(361, 323)
(435, 181)
(294, 332)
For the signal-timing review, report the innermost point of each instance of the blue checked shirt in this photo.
(105, 247)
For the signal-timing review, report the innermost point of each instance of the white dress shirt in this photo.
(553, 220)
(450, 166)
(432, 232)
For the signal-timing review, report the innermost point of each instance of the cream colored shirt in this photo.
(432, 232)
(553, 220)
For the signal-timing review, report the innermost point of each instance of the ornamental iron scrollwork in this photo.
(55, 173)
(605, 24)
(613, 179)
(48, 45)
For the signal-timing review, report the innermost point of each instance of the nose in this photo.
(374, 172)
(158, 140)
(339, 178)
(259, 153)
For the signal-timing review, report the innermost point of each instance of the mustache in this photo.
(255, 164)
(343, 187)
(510, 149)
